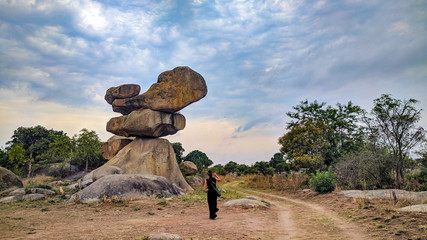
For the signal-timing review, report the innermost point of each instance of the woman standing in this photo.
(210, 185)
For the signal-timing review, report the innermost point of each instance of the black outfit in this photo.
(212, 197)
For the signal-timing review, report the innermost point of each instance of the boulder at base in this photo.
(127, 186)
(153, 156)
(246, 203)
(188, 168)
(8, 179)
(146, 123)
(113, 145)
(174, 90)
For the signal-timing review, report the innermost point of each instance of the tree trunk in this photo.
(30, 165)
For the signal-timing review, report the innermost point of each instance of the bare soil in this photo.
(297, 215)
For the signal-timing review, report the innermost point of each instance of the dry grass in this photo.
(39, 179)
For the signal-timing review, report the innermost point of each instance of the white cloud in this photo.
(30, 74)
(19, 107)
(400, 28)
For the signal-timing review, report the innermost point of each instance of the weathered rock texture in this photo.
(113, 145)
(385, 194)
(188, 168)
(149, 156)
(174, 90)
(146, 123)
(8, 179)
(105, 171)
(122, 91)
(127, 186)
(246, 203)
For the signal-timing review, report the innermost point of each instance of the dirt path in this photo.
(303, 220)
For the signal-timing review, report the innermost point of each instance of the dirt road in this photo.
(302, 220)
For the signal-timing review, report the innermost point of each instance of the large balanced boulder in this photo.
(188, 168)
(8, 180)
(122, 91)
(153, 156)
(146, 123)
(128, 187)
(113, 145)
(174, 90)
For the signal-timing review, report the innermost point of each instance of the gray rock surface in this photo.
(33, 197)
(8, 179)
(414, 208)
(195, 181)
(43, 191)
(104, 171)
(165, 236)
(174, 90)
(385, 194)
(153, 156)
(146, 123)
(188, 168)
(57, 170)
(127, 186)
(246, 203)
(122, 91)
(11, 199)
(113, 145)
(18, 192)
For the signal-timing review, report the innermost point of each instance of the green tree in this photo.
(61, 149)
(88, 149)
(231, 167)
(219, 169)
(199, 158)
(339, 126)
(179, 151)
(4, 159)
(279, 163)
(17, 159)
(306, 144)
(264, 168)
(242, 169)
(393, 125)
(34, 141)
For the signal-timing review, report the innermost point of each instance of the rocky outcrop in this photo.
(57, 170)
(174, 90)
(122, 91)
(385, 194)
(113, 145)
(149, 156)
(127, 186)
(146, 117)
(188, 168)
(146, 123)
(8, 179)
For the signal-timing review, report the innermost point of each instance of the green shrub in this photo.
(323, 182)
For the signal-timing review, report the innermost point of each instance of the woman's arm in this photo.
(206, 185)
(217, 178)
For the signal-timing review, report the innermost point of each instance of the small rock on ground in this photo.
(43, 191)
(414, 208)
(33, 197)
(246, 203)
(11, 199)
(165, 236)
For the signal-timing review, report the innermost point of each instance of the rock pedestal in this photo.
(146, 117)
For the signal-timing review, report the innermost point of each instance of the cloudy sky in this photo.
(259, 58)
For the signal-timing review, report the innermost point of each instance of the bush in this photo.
(323, 182)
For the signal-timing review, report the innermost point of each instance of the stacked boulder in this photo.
(137, 147)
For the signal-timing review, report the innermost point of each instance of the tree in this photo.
(4, 159)
(199, 158)
(264, 168)
(17, 159)
(306, 144)
(219, 169)
(179, 151)
(339, 125)
(34, 141)
(279, 163)
(393, 125)
(231, 167)
(60, 149)
(88, 149)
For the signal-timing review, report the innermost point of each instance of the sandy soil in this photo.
(303, 216)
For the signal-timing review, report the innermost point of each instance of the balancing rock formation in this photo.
(138, 149)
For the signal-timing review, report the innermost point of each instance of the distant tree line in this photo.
(34, 147)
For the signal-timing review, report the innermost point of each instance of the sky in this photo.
(258, 58)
